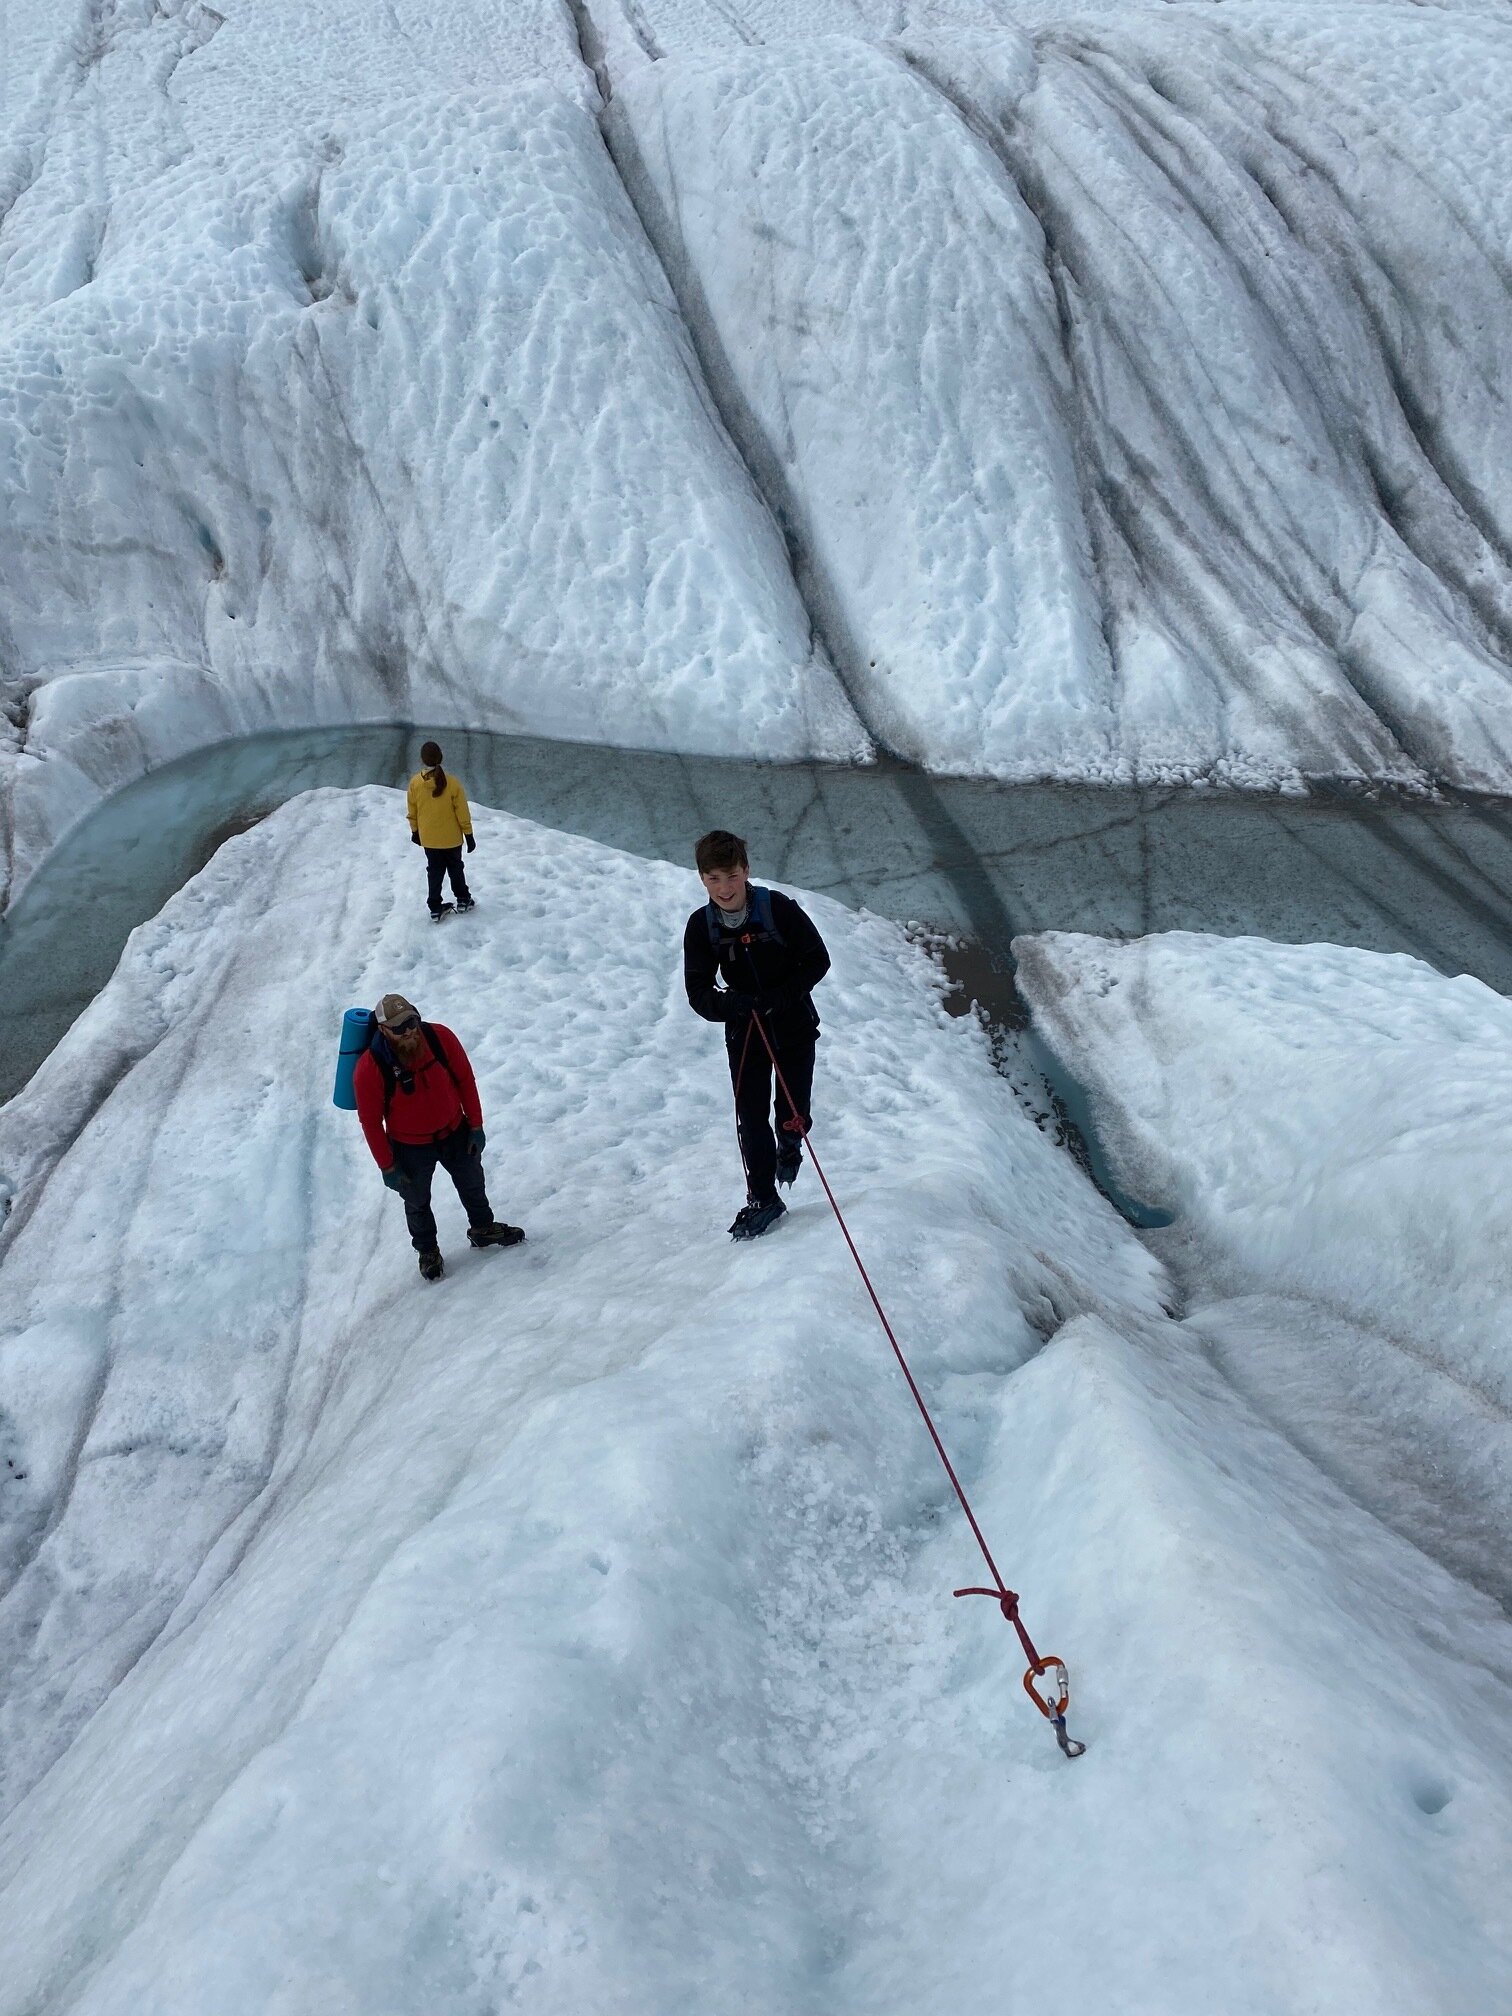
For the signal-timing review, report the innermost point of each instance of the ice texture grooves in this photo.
(575, 1633)
(338, 382)
(1125, 390)
(1133, 399)
(872, 294)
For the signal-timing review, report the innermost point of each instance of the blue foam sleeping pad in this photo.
(354, 1029)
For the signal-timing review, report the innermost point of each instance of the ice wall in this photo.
(1135, 392)
(337, 381)
(1372, 1188)
(1104, 394)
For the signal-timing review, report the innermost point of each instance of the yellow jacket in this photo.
(440, 822)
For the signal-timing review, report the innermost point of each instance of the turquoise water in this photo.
(982, 861)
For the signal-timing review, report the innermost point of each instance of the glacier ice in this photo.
(1099, 395)
(578, 1632)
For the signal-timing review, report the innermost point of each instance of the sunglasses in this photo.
(404, 1028)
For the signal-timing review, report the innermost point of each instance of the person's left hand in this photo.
(472, 845)
(477, 1143)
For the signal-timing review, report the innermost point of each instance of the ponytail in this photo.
(430, 756)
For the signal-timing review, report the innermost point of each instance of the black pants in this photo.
(754, 1099)
(417, 1164)
(439, 862)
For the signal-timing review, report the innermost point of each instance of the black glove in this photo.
(394, 1179)
(472, 845)
(416, 838)
(478, 1143)
(740, 1004)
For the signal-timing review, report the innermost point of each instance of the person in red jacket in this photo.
(418, 1103)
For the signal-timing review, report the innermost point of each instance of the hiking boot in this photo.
(464, 904)
(788, 1166)
(757, 1218)
(432, 1266)
(494, 1235)
(445, 911)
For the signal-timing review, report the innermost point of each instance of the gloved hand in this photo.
(478, 1143)
(472, 845)
(415, 837)
(394, 1179)
(741, 1004)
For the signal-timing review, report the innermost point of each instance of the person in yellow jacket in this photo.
(440, 823)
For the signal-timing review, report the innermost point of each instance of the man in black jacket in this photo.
(770, 958)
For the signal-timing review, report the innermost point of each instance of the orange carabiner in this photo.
(1055, 1712)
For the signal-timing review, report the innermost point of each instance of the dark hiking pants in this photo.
(440, 862)
(417, 1164)
(755, 1100)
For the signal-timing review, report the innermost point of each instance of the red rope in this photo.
(1006, 1599)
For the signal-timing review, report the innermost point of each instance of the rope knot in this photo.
(1052, 1705)
(1005, 1599)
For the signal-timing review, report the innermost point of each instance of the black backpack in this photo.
(389, 1069)
(759, 907)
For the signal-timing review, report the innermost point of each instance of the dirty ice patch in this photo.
(417, 1644)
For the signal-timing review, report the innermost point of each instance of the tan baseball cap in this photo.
(394, 1008)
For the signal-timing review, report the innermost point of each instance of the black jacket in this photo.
(758, 972)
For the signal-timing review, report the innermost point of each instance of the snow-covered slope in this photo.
(1332, 1129)
(1099, 395)
(1373, 1186)
(577, 1632)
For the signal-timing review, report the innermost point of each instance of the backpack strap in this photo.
(383, 1057)
(759, 912)
(439, 1053)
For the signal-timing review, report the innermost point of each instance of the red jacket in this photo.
(426, 1114)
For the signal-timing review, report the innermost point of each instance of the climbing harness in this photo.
(1052, 1703)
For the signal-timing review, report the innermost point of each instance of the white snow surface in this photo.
(1372, 1185)
(1331, 1129)
(576, 1633)
(1111, 393)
